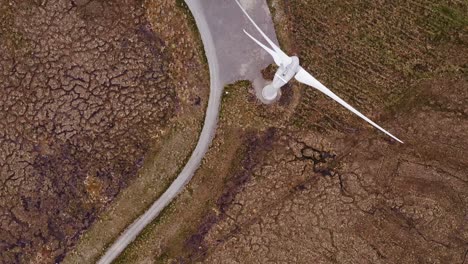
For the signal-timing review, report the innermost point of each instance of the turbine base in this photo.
(269, 93)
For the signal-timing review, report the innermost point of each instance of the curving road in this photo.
(207, 133)
(236, 58)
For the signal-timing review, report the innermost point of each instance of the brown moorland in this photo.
(87, 89)
(305, 181)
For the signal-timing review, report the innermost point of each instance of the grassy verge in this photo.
(193, 26)
(174, 234)
(196, 201)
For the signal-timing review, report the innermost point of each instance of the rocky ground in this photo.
(305, 181)
(86, 87)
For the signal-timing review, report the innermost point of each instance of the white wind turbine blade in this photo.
(275, 56)
(285, 59)
(304, 77)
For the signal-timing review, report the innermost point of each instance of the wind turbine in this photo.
(289, 67)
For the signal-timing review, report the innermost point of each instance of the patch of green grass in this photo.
(445, 22)
(127, 255)
(230, 91)
(163, 258)
(233, 88)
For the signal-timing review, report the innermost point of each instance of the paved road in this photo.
(215, 17)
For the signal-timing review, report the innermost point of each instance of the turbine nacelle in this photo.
(282, 76)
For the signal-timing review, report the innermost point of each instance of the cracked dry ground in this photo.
(326, 188)
(84, 88)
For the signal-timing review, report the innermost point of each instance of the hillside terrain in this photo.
(87, 89)
(305, 181)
